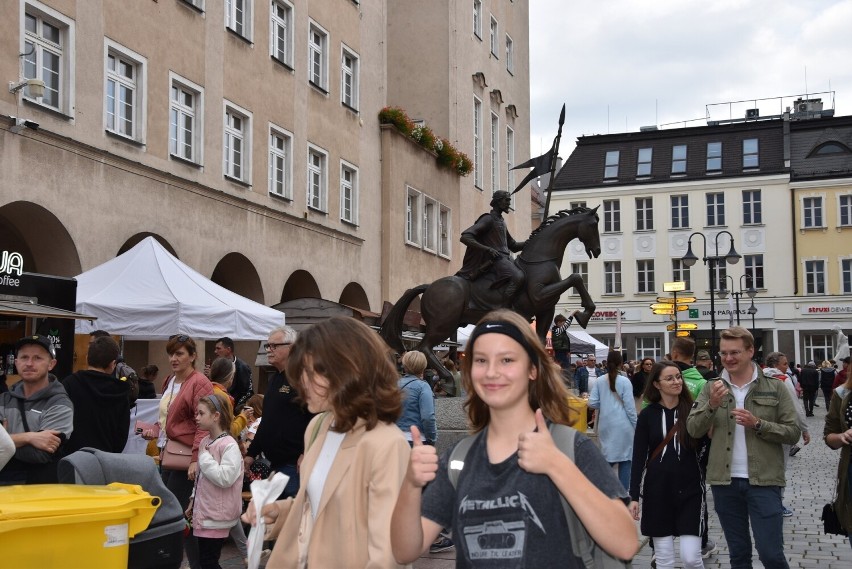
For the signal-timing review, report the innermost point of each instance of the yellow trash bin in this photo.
(67, 525)
(581, 406)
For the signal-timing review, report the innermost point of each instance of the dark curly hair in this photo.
(362, 379)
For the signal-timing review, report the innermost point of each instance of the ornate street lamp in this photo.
(751, 292)
(712, 261)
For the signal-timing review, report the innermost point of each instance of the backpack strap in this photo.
(582, 543)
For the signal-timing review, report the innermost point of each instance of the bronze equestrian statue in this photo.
(455, 301)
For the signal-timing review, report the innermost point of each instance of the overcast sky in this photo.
(622, 64)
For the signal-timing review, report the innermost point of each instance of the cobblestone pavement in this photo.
(810, 480)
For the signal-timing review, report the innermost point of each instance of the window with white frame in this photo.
(612, 216)
(317, 178)
(752, 207)
(280, 162)
(818, 347)
(846, 276)
(647, 347)
(679, 159)
(644, 214)
(430, 224)
(611, 165)
(612, 277)
(681, 273)
(751, 157)
(48, 55)
(714, 156)
(237, 142)
(510, 159)
(680, 211)
(494, 32)
(715, 209)
(643, 166)
(510, 55)
(477, 142)
(348, 193)
(281, 32)
(444, 231)
(645, 276)
(349, 79)
(495, 155)
(812, 212)
(185, 114)
(719, 269)
(815, 276)
(844, 210)
(581, 269)
(318, 56)
(413, 217)
(753, 270)
(575, 205)
(477, 18)
(125, 92)
(238, 14)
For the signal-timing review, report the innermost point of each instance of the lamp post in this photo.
(712, 262)
(751, 292)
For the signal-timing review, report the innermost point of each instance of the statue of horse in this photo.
(454, 301)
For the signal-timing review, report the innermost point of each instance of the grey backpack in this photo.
(584, 547)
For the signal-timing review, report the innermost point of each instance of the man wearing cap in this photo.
(704, 364)
(489, 244)
(840, 378)
(38, 415)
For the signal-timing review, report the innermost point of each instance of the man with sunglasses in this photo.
(752, 416)
(281, 434)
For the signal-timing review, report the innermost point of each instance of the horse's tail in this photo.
(391, 330)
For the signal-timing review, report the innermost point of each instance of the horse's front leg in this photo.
(546, 294)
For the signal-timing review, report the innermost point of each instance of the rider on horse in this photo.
(488, 248)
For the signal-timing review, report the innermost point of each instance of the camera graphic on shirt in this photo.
(495, 540)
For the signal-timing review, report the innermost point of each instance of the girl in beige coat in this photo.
(355, 457)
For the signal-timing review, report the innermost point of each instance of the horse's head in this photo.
(587, 232)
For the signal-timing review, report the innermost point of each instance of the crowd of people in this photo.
(355, 430)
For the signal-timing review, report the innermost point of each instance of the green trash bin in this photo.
(46, 526)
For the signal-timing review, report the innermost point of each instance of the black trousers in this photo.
(181, 486)
(809, 398)
(209, 551)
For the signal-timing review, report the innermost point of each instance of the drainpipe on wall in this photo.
(786, 126)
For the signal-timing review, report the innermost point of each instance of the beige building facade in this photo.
(245, 137)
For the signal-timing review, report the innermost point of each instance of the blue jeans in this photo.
(740, 503)
(623, 472)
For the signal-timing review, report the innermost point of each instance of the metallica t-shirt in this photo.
(504, 516)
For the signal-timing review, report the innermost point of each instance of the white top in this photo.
(165, 401)
(7, 447)
(316, 483)
(739, 454)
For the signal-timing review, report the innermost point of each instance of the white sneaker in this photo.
(709, 549)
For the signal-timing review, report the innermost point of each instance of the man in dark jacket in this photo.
(38, 415)
(101, 400)
(241, 388)
(560, 341)
(809, 380)
(281, 434)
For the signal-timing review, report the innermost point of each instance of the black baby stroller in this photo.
(161, 545)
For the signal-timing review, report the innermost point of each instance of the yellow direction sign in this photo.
(670, 327)
(682, 333)
(665, 300)
(684, 300)
(687, 326)
(662, 306)
(663, 311)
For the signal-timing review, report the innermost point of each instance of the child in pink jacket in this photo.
(216, 503)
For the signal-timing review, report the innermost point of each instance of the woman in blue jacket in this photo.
(418, 403)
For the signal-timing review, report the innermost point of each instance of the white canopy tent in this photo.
(148, 294)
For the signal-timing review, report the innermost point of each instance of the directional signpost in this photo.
(670, 306)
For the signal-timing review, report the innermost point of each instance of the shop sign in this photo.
(11, 265)
(825, 309)
(55, 339)
(611, 315)
(723, 313)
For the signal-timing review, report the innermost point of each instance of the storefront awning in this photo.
(31, 310)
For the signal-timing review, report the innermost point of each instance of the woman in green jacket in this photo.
(838, 435)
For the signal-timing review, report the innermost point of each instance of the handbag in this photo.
(830, 522)
(176, 455)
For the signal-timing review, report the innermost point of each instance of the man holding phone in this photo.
(752, 416)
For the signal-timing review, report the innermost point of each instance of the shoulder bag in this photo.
(176, 455)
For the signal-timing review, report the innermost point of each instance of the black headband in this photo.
(507, 329)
